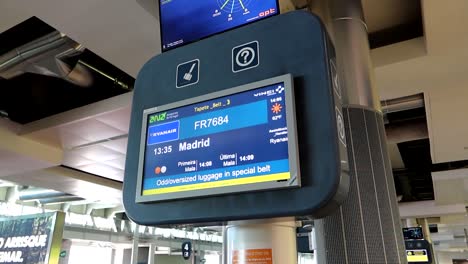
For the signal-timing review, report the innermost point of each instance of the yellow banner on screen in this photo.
(417, 258)
(209, 185)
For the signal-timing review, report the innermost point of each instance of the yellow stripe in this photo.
(56, 244)
(422, 258)
(209, 185)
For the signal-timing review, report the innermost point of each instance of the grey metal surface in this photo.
(391, 192)
(353, 53)
(402, 103)
(32, 193)
(368, 222)
(369, 218)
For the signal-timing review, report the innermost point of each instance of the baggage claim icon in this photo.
(232, 6)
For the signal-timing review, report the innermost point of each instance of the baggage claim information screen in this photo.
(235, 143)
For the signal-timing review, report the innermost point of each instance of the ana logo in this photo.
(158, 118)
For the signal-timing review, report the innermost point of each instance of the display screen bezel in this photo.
(161, 36)
(293, 154)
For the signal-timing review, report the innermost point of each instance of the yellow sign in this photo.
(417, 255)
(208, 185)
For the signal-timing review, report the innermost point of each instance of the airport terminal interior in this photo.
(68, 74)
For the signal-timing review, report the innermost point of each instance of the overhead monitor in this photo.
(235, 140)
(410, 233)
(185, 21)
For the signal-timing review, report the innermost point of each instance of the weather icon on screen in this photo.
(276, 109)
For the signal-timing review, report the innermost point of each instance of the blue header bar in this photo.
(224, 120)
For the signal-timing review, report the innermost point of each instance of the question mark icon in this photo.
(247, 54)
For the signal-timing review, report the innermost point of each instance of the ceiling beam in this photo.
(428, 209)
(90, 187)
(19, 154)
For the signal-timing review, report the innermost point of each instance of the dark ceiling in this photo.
(408, 29)
(414, 182)
(31, 96)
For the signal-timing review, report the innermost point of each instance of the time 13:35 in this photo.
(163, 150)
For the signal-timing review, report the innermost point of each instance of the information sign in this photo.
(186, 250)
(253, 256)
(242, 141)
(31, 239)
(417, 255)
(216, 133)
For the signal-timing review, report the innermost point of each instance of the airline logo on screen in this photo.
(163, 133)
(157, 117)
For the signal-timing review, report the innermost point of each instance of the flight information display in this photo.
(234, 143)
(410, 233)
(185, 21)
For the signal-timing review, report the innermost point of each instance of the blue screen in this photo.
(413, 233)
(185, 21)
(232, 140)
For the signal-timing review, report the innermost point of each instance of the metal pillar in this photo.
(411, 222)
(425, 228)
(151, 253)
(224, 247)
(273, 239)
(136, 240)
(367, 227)
(66, 246)
(353, 53)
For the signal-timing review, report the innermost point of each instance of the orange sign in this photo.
(252, 256)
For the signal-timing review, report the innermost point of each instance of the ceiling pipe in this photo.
(45, 196)
(116, 81)
(402, 103)
(407, 131)
(46, 56)
(63, 199)
(27, 51)
(32, 193)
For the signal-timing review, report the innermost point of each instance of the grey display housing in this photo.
(295, 179)
(294, 43)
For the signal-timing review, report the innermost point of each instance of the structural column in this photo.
(136, 240)
(151, 253)
(66, 246)
(273, 240)
(367, 227)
